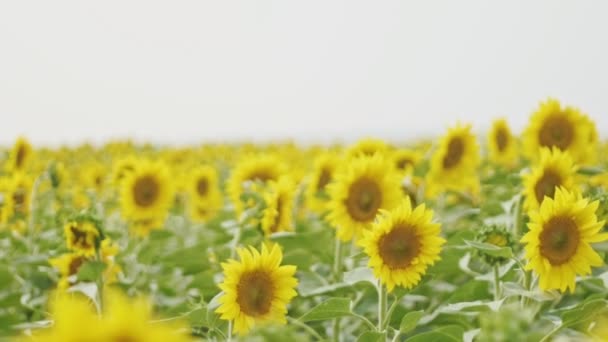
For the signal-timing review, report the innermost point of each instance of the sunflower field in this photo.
(499, 237)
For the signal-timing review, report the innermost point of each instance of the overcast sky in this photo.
(191, 71)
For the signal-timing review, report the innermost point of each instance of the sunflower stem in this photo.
(338, 260)
(229, 337)
(99, 284)
(497, 289)
(382, 306)
(336, 327)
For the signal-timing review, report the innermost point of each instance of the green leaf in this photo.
(590, 170)
(372, 336)
(409, 321)
(329, 309)
(91, 270)
(443, 334)
(582, 312)
(490, 249)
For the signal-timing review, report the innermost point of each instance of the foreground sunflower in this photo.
(146, 192)
(257, 289)
(502, 145)
(554, 126)
(555, 169)
(454, 163)
(279, 199)
(558, 244)
(363, 187)
(325, 166)
(402, 244)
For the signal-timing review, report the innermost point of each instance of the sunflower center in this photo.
(403, 163)
(559, 240)
(79, 238)
(125, 338)
(454, 154)
(20, 157)
(260, 176)
(255, 292)
(324, 179)
(502, 139)
(146, 191)
(364, 200)
(277, 220)
(202, 186)
(497, 240)
(75, 265)
(546, 185)
(399, 247)
(556, 131)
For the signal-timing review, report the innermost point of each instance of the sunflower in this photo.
(554, 126)
(256, 289)
(554, 170)
(122, 168)
(20, 191)
(454, 163)
(68, 265)
(502, 145)
(262, 168)
(325, 166)
(363, 187)
(402, 244)
(368, 147)
(405, 160)
(146, 192)
(143, 227)
(558, 244)
(203, 184)
(94, 177)
(20, 155)
(277, 215)
(82, 236)
(590, 154)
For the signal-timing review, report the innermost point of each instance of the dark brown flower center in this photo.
(75, 265)
(79, 237)
(255, 292)
(559, 240)
(146, 191)
(277, 221)
(399, 247)
(20, 157)
(454, 153)
(404, 163)
(364, 199)
(261, 176)
(556, 131)
(546, 185)
(324, 179)
(202, 186)
(502, 139)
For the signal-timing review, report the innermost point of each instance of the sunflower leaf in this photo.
(493, 250)
(372, 336)
(447, 333)
(409, 321)
(329, 309)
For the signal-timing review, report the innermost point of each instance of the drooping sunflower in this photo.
(261, 168)
(558, 244)
(325, 166)
(454, 164)
(555, 169)
(82, 236)
(361, 188)
(20, 155)
(405, 160)
(256, 288)
(502, 145)
(554, 126)
(146, 192)
(277, 215)
(402, 244)
(368, 147)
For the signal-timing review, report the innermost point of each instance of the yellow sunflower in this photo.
(590, 154)
(363, 187)
(368, 147)
(82, 237)
(558, 244)
(143, 227)
(454, 164)
(402, 244)
(325, 166)
(20, 191)
(146, 192)
(262, 168)
(502, 145)
(256, 289)
(20, 155)
(405, 160)
(277, 215)
(554, 170)
(203, 184)
(94, 177)
(122, 168)
(68, 265)
(554, 126)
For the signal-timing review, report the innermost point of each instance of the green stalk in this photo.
(497, 290)
(382, 306)
(337, 271)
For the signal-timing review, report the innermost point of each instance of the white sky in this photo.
(190, 71)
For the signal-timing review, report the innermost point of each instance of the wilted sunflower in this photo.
(368, 147)
(279, 198)
(82, 236)
(402, 244)
(554, 170)
(262, 168)
(554, 126)
(361, 188)
(146, 192)
(20, 155)
(405, 160)
(502, 145)
(558, 244)
(454, 163)
(325, 166)
(256, 289)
